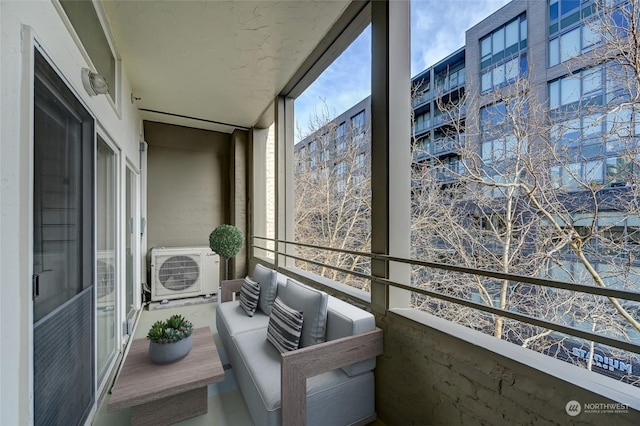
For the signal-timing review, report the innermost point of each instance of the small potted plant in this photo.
(226, 240)
(170, 340)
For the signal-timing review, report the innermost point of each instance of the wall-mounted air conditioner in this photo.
(179, 272)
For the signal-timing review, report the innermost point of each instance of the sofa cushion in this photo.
(234, 319)
(268, 280)
(285, 326)
(249, 295)
(313, 305)
(344, 319)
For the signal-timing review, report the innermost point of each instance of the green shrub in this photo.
(174, 329)
(226, 240)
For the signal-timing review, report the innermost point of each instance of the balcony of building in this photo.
(422, 99)
(217, 100)
(434, 371)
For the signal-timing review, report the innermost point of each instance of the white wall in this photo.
(20, 22)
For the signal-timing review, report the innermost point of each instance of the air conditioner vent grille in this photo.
(178, 273)
(106, 278)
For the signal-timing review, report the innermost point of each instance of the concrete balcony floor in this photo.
(226, 405)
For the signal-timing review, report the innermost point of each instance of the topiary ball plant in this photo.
(226, 240)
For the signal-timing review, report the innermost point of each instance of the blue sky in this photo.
(348, 79)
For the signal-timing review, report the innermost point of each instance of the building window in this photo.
(503, 54)
(570, 35)
(421, 123)
(302, 159)
(574, 92)
(450, 79)
(107, 282)
(341, 138)
(358, 127)
(572, 43)
(575, 175)
(492, 116)
(564, 14)
(312, 154)
(360, 163)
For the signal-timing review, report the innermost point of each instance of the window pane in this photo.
(570, 90)
(567, 6)
(498, 75)
(511, 146)
(106, 233)
(554, 51)
(485, 48)
(570, 178)
(554, 94)
(570, 45)
(571, 134)
(553, 10)
(511, 69)
(511, 33)
(486, 80)
(591, 125)
(592, 81)
(486, 150)
(593, 171)
(498, 41)
(589, 37)
(555, 177)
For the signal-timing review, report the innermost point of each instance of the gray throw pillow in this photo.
(249, 295)
(285, 326)
(313, 305)
(268, 280)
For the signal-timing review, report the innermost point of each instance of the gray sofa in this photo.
(339, 369)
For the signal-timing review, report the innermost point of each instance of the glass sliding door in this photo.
(63, 246)
(131, 246)
(106, 259)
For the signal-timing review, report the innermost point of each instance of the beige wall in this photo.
(188, 184)
(434, 372)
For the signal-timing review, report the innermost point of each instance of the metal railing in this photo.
(543, 282)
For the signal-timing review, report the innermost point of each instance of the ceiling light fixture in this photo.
(94, 83)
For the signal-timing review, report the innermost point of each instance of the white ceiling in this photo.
(222, 61)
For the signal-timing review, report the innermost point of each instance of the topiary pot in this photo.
(166, 353)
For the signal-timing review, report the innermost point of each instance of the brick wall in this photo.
(446, 374)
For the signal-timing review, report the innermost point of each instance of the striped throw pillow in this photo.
(249, 295)
(285, 327)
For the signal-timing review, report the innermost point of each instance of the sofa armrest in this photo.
(228, 288)
(299, 365)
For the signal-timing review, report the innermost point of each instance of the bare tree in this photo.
(333, 196)
(548, 191)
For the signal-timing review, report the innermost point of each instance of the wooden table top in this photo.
(142, 381)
